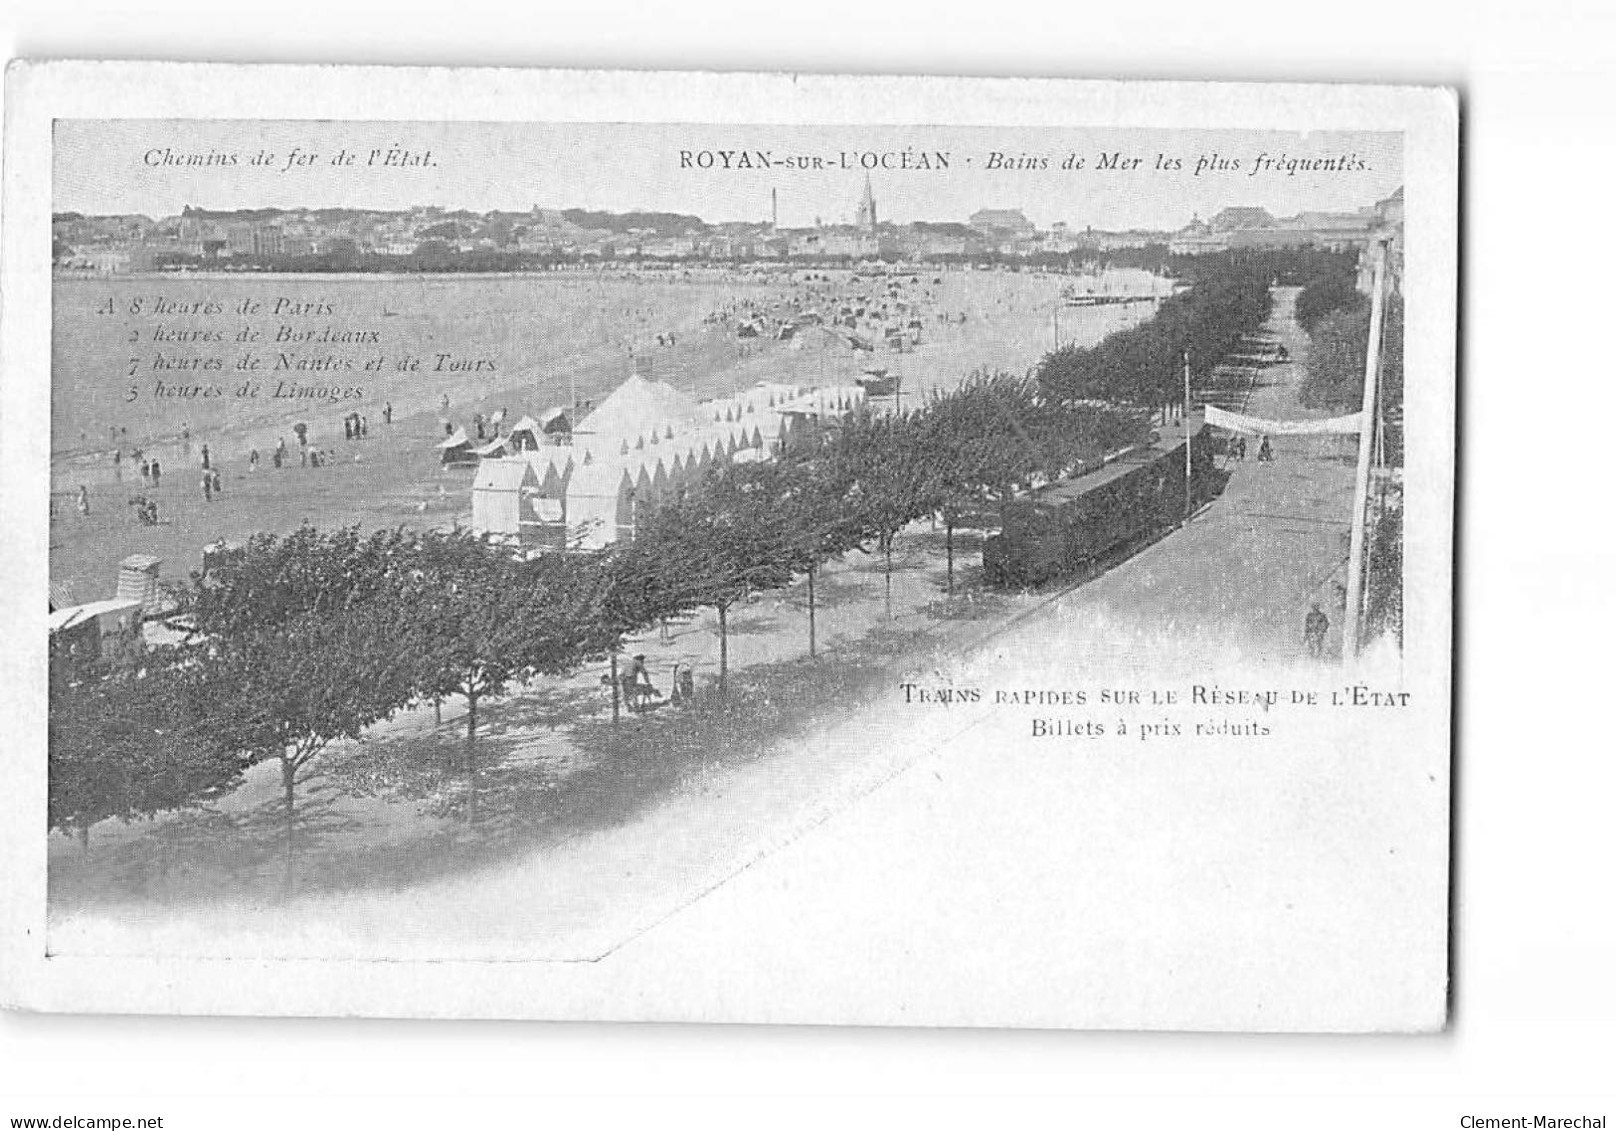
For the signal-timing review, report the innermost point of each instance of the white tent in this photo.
(496, 496)
(600, 504)
(637, 406)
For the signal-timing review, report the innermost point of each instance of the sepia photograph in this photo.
(821, 569)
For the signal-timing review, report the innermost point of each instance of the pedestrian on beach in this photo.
(364, 427)
(207, 487)
(477, 419)
(1314, 629)
(1265, 453)
(145, 471)
(252, 460)
(218, 482)
(84, 501)
(204, 457)
(387, 413)
(156, 474)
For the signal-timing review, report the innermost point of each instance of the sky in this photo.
(923, 172)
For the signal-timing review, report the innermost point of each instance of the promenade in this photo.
(687, 830)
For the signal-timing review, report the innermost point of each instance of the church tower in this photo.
(866, 208)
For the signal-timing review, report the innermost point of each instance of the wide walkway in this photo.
(1240, 579)
(947, 860)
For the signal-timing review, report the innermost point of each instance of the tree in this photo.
(481, 620)
(1338, 349)
(288, 691)
(274, 578)
(1004, 435)
(1324, 297)
(882, 481)
(1140, 366)
(725, 538)
(132, 742)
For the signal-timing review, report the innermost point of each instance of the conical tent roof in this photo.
(638, 405)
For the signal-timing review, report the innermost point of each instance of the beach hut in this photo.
(457, 449)
(137, 581)
(101, 630)
(556, 422)
(524, 435)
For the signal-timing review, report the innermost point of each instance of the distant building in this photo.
(267, 240)
(1255, 228)
(239, 239)
(866, 218)
(1388, 216)
(1242, 219)
(1000, 224)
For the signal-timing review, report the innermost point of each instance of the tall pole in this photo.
(1189, 463)
(1366, 441)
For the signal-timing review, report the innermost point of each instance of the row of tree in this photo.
(303, 640)
(1144, 366)
(299, 641)
(1335, 315)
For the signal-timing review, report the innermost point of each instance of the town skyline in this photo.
(815, 173)
(430, 235)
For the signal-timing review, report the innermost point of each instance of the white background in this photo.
(1536, 937)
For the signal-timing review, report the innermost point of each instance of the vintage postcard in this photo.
(747, 548)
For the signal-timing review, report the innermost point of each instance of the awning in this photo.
(1257, 426)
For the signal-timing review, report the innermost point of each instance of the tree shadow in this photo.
(969, 605)
(600, 775)
(205, 852)
(750, 621)
(831, 591)
(623, 768)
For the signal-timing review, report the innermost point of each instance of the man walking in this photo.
(1314, 630)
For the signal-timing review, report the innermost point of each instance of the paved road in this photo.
(1295, 879)
(1241, 577)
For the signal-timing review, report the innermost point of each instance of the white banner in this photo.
(1236, 422)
